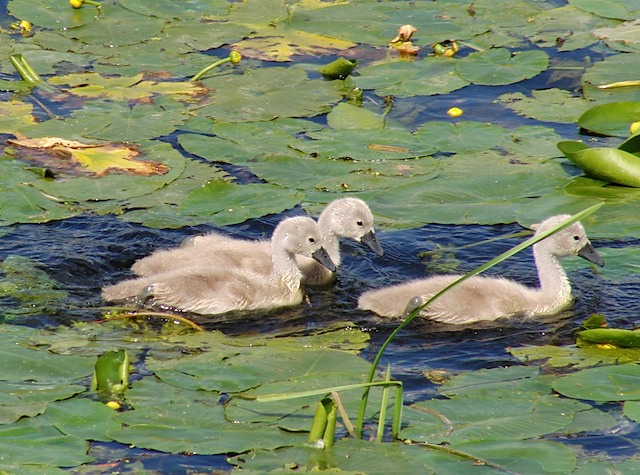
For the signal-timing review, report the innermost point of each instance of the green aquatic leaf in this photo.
(605, 383)
(610, 164)
(346, 116)
(613, 118)
(498, 66)
(117, 26)
(15, 114)
(572, 356)
(462, 136)
(431, 76)
(123, 87)
(364, 144)
(265, 94)
(23, 280)
(167, 9)
(20, 202)
(547, 105)
(227, 203)
(81, 418)
(172, 419)
(632, 410)
(51, 13)
(617, 9)
(612, 69)
(36, 441)
(566, 28)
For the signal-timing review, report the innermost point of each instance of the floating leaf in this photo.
(13, 115)
(462, 136)
(606, 383)
(129, 88)
(223, 203)
(264, 94)
(547, 105)
(617, 9)
(97, 159)
(615, 68)
(613, 118)
(574, 357)
(498, 66)
(431, 76)
(610, 164)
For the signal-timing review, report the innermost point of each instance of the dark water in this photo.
(85, 253)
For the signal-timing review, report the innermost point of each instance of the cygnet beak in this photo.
(590, 254)
(371, 240)
(322, 256)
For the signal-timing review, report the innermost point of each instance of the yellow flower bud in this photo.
(76, 3)
(455, 112)
(113, 405)
(634, 128)
(235, 57)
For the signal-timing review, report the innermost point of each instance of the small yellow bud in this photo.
(235, 57)
(25, 26)
(635, 128)
(113, 405)
(455, 112)
(76, 3)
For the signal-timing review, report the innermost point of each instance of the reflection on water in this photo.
(83, 254)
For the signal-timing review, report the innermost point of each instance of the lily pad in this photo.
(606, 383)
(610, 164)
(498, 66)
(265, 94)
(613, 118)
(462, 136)
(617, 9)
(547, 105)
(431, 76)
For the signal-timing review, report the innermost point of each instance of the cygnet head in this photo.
(300, 235)
(570, 241)
(351, 218)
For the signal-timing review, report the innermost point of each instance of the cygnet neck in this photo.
(555, 288)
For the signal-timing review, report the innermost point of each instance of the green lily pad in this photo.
(227, 203)
(547, 105)
(462, 136)
(612, 69)
(574, 357)
(172, 419)
(38, 442)
(606, 383)
(265, 94)
(610, 164)
(617, 9)
(431, 76)
(498, 66)
(611, 119)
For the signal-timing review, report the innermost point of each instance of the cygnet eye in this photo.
(312, 240)
(360, 223)
(576, 238)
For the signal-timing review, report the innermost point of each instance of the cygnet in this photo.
(482, 298)
(227, 286)
(345, 217)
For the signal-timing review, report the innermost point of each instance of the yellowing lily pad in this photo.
(14, 114)
(134, 87)
(96, 159)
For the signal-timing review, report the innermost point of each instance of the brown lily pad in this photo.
(80, 159)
